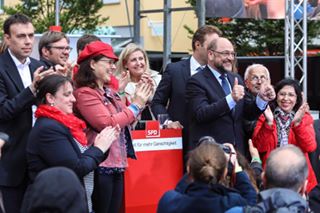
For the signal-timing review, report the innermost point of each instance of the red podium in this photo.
(157, 169)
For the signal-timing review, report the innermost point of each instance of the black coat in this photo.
(15, 120)
(51, 144)
(209, 113)
(202, 197)
(169, 97)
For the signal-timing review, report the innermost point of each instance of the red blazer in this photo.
(91, 105)
(265, 139)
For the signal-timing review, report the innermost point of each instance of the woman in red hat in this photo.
(100, 106)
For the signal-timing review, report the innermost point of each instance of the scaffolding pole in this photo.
(296, 43)
(167, 23)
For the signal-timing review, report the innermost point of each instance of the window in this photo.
(110, 1)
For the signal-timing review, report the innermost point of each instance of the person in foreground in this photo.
(207, 168)
(48, 195)
(285, 182)
(58, 137)
(289, 123)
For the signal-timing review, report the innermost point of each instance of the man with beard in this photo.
(215, 99)
(54, 52)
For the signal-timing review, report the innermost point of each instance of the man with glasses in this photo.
(54, 51)
(256, 76)
(215, 99)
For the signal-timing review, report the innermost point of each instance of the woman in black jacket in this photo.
(207, 169)
(58, 138)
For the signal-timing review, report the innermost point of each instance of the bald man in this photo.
(285, 182)
(215, 99)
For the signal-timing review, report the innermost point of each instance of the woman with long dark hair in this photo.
(100, 106)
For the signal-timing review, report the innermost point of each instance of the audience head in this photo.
(84, 40)
(207, 162)
(287, 168)
(134, 59)
(200, 40)
(55, 190)
(57, 91)
(54, 47)
(221, 54)
(96, 65)
(289, 95)
(19, 35)
(254, 76)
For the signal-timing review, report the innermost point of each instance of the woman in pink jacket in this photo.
(100, 106)
(289, 123)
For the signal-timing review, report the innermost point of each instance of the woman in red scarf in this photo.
(289, 123)
(58, 137)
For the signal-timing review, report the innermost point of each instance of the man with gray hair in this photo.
(285, 182)
(256, 77)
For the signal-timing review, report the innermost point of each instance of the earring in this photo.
(51, 104)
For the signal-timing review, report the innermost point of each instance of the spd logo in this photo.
(152, 129)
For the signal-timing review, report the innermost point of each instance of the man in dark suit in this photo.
(169, 97)
(215, 103)
(18, 80)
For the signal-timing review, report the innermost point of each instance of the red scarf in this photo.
(75, 125)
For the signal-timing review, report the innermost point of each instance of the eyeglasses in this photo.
(62, 49)
(226, 53)
(290, 95)
(257, 78)
(109, 61)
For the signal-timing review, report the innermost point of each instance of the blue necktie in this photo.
(224, 84)
(199, 69)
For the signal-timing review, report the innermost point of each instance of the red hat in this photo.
(96, 48)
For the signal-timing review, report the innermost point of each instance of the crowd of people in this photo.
(66, 127)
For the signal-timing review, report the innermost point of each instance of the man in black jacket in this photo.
(169, 97)
(18, 79)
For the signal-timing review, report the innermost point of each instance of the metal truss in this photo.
(296, 43)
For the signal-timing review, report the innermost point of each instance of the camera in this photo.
(209, 139)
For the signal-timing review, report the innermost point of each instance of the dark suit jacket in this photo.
(209, 112)
(51, 144)
(172, 89)
(169, 97)
(15, 120)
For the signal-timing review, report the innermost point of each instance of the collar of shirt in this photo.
(17, 62)
(216, 74)
(194, 64)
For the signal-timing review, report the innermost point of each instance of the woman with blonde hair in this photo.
(133, 67)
